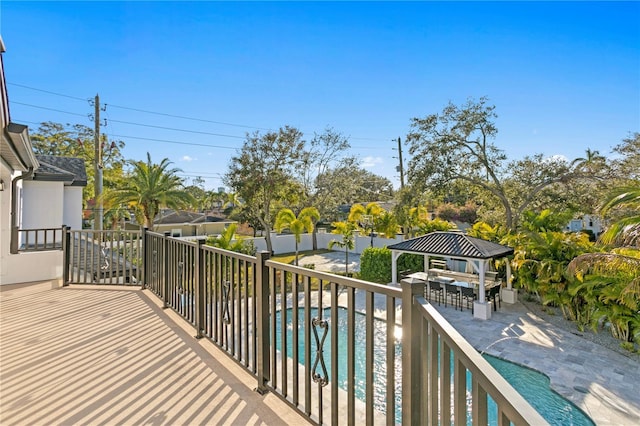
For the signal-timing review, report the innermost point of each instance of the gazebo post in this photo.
(394, 266)
(482, 309)
(509, 294)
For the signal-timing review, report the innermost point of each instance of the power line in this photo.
(203, 120)
(49, 109)
(132, 123)
(178, 130)
(189, 118)
(182, 117)
(175, 142)
(49, 92)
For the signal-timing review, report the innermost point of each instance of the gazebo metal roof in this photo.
(453, 244)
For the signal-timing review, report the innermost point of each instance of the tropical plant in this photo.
(608, 284)
(546, 220)
(286, 219)
(626, 231)
(433, 225)
(387, 225)
(148, 187)
(365, 216)
(485, 231)
(540, 260)
(347, 242)
(227, 241)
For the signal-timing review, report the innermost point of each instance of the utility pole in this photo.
(97, 167)
(401, 168)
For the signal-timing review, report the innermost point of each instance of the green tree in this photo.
(286, 219)
(326, 175)
(456, 146)
(347, 242)
(263, 173)
(365, 217)
(78, 141)
(148, 187)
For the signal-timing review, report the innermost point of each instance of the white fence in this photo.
(286, 243)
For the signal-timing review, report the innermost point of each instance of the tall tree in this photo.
(77, 141)
(148, 187)
(263, 173)
(456, 145)
(325, 167)
(287, 219)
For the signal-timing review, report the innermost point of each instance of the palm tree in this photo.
(387, 224)
(286, 219)
(365, 216)
(588, 163)
(416, 216)
(148, 187)
(626, 231)
(348, 242)
(227, 240)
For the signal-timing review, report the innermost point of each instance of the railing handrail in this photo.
(382, 289)
(233, 298)
(514, 405)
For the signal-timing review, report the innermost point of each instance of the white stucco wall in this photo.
(72, 208)
(286, 243)
(42, 205)
(31, 267)
(27, 267)
(5, 220)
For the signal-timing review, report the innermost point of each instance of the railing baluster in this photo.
(334, 354)
(459, 392)
(445, 384)
(369, 362)
(351, 369)
(391, 364)
(307, 346)
(294, 337)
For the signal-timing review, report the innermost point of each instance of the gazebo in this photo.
(456, 245)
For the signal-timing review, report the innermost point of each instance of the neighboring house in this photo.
(189, 224)
(17, 164)
(586, 222)
(53, 195)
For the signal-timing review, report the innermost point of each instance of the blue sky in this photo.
(564, 76)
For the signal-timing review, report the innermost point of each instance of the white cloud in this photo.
(370, 161)
(187, 158)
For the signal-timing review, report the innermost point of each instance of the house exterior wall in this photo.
(42, 205)
(24, 267)
(72, 207)
(5, 220)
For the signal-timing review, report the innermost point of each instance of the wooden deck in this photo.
(111, 355)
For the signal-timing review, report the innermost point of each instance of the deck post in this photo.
(262, 321)
(199, 281)
(165, 272)
(66, 254)
(145, 261)
(412, 409)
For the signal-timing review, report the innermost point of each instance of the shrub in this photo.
(375, 265)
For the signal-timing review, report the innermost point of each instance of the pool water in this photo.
(532, 385)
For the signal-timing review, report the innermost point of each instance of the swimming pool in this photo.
(532, 385)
